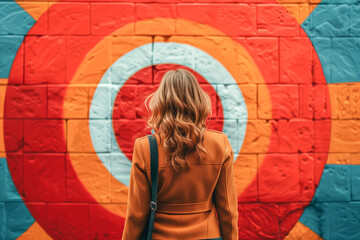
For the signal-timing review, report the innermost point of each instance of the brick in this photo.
(306, 101)
(120, 45)
(275, 20)
(289, 214)
(94, 64)
(211, 92)
(101, 108)
(321, 61)
(296, 136)
(14, 180)
(345, 59)
(165, 25)
(44, 177)
(284, 101)
(14, 20)
(325, 20)
(232, 103)
(77, 52)
(354, 28)
(316, 215)
(126, 132)
(125, 101)
(307, 177)
(144, 76)
(69, 19)
(344, 217)
(18, 219)
(265, 52)
(254, 216)
(76, 103)
(26, 101)
(2, 221)
(75, 190)
(142, 92)
(261, 137)
(233, 19)
(334, 184)
(344, 136)
(67, 220)
(108, 17)
(295, 60)
(112, 227)
(44, 136)
(245, 170)
(43, 64)
(322, 107)
(87, 169)
(279, 178)
(79, 142)
(11, 57)
(355, 177)
(13, 135)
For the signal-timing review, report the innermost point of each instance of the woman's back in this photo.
(186, 200)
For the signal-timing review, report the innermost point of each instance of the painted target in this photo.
(79, 135)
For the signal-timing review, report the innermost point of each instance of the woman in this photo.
(195, 178)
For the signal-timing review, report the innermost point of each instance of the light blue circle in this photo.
(213, 71)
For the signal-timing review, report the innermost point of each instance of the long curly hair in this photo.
(179, 110)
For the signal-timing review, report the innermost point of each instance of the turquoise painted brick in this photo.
(9, 46)
(344, 221)
(13, 19)
(2, 221)
(355, 20)
(345, 60)
(8, 191)
(316, 217)
(12, 193)
(329, 20)
(355, 182)
(18, 219)
(323, 50)
(340, 1)
(334, 184)
(3, 169)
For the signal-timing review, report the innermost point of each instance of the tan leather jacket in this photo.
(187, 202)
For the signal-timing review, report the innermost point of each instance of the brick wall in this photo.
(284, 83)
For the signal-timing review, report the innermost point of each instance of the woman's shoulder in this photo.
(214, 131)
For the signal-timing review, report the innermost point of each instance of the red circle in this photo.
(129, 110)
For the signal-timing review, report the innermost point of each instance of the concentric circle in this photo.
(80, 135)
(115, 78)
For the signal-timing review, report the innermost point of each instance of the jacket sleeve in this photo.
(138, 204)
(225, 196)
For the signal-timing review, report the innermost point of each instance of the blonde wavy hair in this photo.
(179, 110)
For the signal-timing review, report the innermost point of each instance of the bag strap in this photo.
(154, 174)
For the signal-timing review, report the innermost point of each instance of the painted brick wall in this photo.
(284, 82)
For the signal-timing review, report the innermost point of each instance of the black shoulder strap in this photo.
(154, 174)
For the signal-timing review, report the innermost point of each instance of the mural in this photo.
(282, 76)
